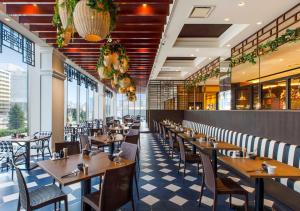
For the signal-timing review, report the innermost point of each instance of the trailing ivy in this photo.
(202, 78)
(291, 35)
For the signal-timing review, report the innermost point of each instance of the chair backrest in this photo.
(84, 142)
(73, 147)
(171, 140)
(128, 151)
(181, 148)
(209, 176)
(116, 189)
(133, 132)
(23, 190)
(133, 139)
(136, 126)
(43, 133)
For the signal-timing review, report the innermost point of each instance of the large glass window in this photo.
(91, 104)
(225, 100)
(124, 107)
(72, 102)
(13, 93)
(83, 104)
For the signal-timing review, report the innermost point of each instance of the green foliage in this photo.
(8, 132)
(16, 117)
(291, 35)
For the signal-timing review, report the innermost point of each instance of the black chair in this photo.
(115, 192)
(219, 185)
(42, 144)
(187, 157)
(73, 147)
(129, 152)
(41, 197)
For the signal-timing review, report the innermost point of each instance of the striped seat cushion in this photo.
(283, 152)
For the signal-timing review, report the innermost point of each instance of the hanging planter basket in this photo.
(132, 97)
(91, 24)
(122, 90)
(131, 88)
(125, 81)
(124, 64)
(104, 72)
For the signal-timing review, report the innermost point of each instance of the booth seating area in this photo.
(280, 151)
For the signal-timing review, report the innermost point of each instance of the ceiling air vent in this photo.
(201, 11)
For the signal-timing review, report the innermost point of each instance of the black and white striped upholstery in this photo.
(280, 151)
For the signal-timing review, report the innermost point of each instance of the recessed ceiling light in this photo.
(7, 19)
(228, 45)
(144, 5)
(34, 5)
(259, 23)
(226, 19)
(209, 58)
(241, 4)
(192, 55)
(197, 49)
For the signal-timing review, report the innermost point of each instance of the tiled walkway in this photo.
(161, 188)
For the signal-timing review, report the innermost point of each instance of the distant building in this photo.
(5, 91)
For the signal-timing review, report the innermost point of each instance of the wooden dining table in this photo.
(97, 165)
(253, 169)
(205, 145)
(105, 140)
(25, 143)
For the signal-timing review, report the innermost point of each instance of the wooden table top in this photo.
(119, 128)
(97, 165)
(173, 130)
(221, 145)
(189, 138)
(253, 169)
(100, 138)
(25, 139)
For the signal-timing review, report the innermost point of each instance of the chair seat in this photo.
(192, 158)
(226, 185)
(45, 194)
(92, 199)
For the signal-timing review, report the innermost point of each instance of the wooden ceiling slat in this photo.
(116, 1)
(123, 41)
(48, 35)
(134, 19)
(124, 9)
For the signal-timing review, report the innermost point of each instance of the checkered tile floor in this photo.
(161, 187)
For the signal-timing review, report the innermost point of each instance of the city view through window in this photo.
(13, 93)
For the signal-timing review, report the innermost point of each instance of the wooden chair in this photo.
(129, 152)
(187, 157)
(40, 197)
(73, 147)
(116, 190)
(173, 144)
(134, 139)
(218, 185)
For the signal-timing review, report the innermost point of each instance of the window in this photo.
(72, 102)
(91, 104)
(225, 100)
(13, 93)
(108, 103)
(124, 107)
(83, 106)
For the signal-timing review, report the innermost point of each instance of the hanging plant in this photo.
(113, 54)
(291, 35)
(94, 19)
(125, 80)
(63, 21)
(122, 90)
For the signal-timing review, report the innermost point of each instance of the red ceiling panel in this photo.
(139, 28)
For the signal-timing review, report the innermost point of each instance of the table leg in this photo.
(194, 149)
(214, 161)
(85, 189)
(27, 159)
(112, 148)
(259, 194)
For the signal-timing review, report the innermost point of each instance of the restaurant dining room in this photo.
(149, 105)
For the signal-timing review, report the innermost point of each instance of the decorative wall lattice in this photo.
(17, 42)
(81, 78)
